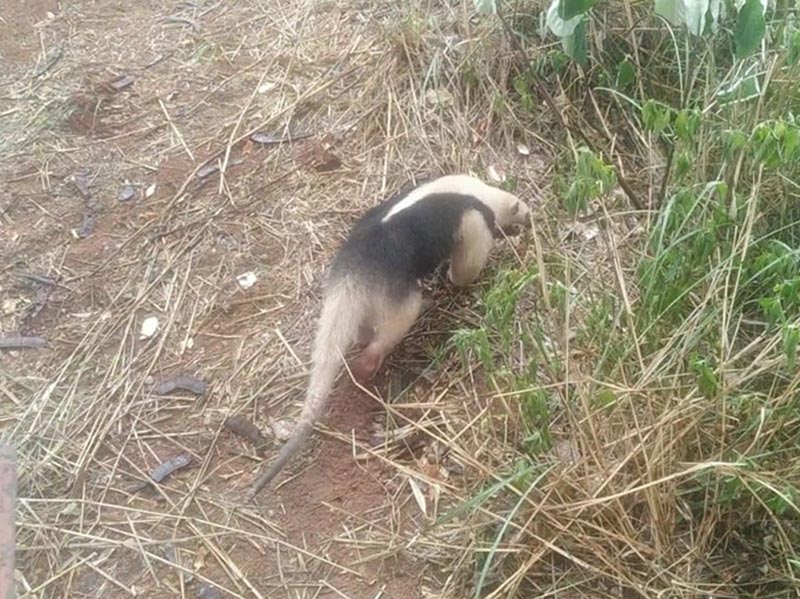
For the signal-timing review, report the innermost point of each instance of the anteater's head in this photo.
(510, 213)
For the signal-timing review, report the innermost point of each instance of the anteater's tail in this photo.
(342, 314)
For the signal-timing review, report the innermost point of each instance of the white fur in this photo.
(472, 249)
(496, 199)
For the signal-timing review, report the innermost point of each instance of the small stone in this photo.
(246, 280)
(126, 193)
(149, 327)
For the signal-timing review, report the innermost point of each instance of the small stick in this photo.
(175, 130)
(18, 342)
(50, 62)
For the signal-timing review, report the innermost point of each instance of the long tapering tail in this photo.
(339, 323)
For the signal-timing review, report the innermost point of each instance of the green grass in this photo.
(682, 394)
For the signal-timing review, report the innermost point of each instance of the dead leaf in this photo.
(438, 98)
(69, 510)
(121, 82)
(495, 174)
(269, 139)
(150, 190)
(565, 450)
(172, 465)
(591, 231)
(187, 383)
(241, 426)
(199, 559)
(208, 169)
(317, 156)
(87, 226)
(213, 166)
(419, 496)
(585, 231)
(81, 182)
(523, 149)
(10, 304)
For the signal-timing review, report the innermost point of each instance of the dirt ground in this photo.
(110, 115)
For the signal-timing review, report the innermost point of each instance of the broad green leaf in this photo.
(791, 142)
(486, 7)
(626, 74)
(695, 15)
(672, 10)
(567, 9)
(750, 28)
(560, 27)
(738, 4)
(733, 140)
(575, 45)
(743, 88)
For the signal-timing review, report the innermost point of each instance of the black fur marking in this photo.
(411, 244)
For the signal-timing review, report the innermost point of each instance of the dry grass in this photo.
(391, 500)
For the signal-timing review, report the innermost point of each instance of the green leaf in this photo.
(750, 28)
(706, 378)
(605, 398)
(686, 124)
(671, 10)
(503, 529)
(655, 116)
(568, 9)
(791, 143)
(683, 164)
(477, 500)
(791, 338)
(791, 41)
(744, 88)
(626, 74)
(575, 45)
(560, 27)
(696, 15)
(486, 7)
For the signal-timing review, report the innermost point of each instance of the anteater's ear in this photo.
(515, 208)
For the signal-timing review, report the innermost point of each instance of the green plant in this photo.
(593, 179)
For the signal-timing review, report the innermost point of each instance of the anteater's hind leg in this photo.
(393, 322)
(472, 249)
